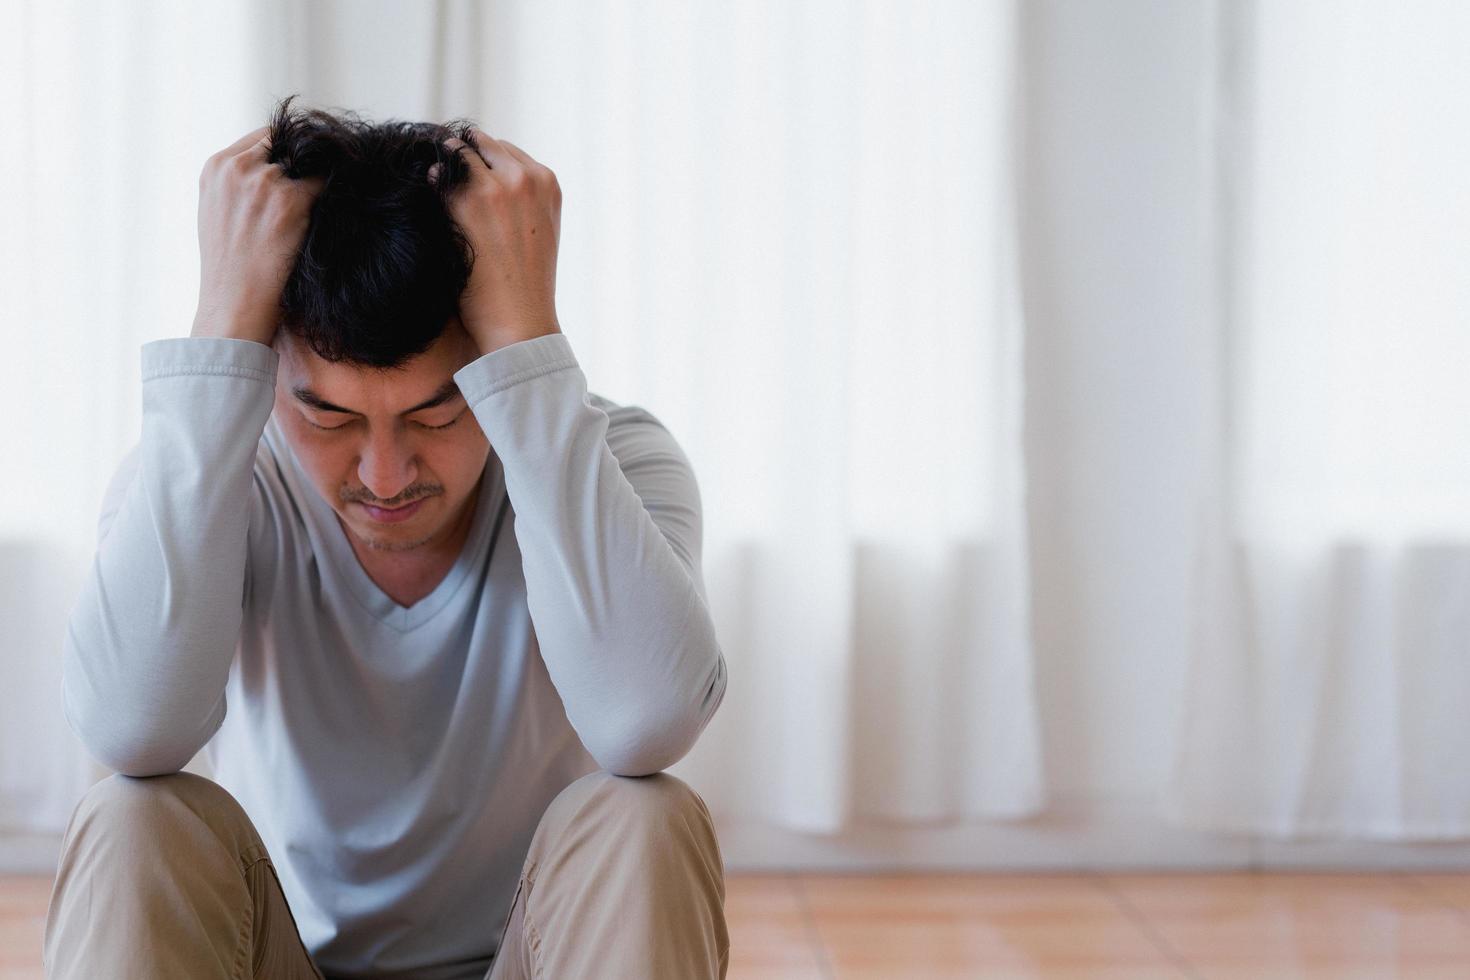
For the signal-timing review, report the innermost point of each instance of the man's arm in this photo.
(608, 525)
(610, 547)
(150, 639)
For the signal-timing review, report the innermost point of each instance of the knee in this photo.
(150, 798)
(155, 811)
(650, 804)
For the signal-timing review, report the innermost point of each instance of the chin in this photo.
(407, 541)
(387, 537)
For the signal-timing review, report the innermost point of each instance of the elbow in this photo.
(659, 737)
(125, 746)
(642, 753)
(141, 762)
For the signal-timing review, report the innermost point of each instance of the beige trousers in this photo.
(165, 878)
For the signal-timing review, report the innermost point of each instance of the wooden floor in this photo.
(1120, 927)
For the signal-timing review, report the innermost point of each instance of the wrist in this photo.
(232, 329)
(493, 338)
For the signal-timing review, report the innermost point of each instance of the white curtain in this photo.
(787, 231)
(111, 110)
(97, 255)
(1330, 689)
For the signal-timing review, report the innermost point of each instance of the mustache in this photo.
(407, 497)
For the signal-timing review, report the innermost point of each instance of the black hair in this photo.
(382, 264)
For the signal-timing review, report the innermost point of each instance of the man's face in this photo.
(388, 446)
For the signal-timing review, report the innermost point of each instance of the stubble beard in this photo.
(389, 544)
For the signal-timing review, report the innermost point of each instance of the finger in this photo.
(533, 166)
(479, 169)
(244, 143)
(521, 155)
(495, 153)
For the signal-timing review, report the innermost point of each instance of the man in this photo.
(434, 611)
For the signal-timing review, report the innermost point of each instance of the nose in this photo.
(387, 465)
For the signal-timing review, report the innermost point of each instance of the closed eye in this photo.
(421, 425)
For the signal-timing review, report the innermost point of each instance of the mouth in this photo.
(392, 515)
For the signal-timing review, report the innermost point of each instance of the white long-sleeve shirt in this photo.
(395, 760)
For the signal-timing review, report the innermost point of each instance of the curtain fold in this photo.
(1330, 677)
(796, 223)
(788, 232)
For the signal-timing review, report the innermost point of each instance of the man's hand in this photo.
(252, 219)
(510, 211)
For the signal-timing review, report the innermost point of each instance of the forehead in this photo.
(368, 389)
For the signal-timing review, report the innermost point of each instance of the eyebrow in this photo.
(447, 392)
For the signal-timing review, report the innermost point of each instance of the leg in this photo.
(165, 877)
(624, 879)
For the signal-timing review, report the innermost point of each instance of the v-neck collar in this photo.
(333, 538)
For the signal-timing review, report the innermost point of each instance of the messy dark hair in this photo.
(381, 268)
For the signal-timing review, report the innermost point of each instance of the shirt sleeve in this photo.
(608, 523)
(150, 639)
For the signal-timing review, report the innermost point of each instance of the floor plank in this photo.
(770, 938)
(1302, 925)
(23, 901)
(1003, 926)
(1039, 927)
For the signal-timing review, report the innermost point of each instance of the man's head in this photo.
(369, 323)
